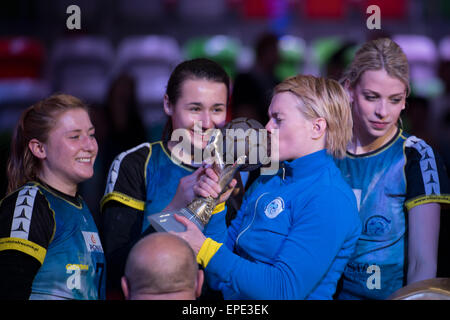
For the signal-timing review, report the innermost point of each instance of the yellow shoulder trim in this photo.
(219, 207)
(25, 246)
(180, 163)
(146, 162)
(124, 199)
(402, 134)
(383, 148)
(207, 251)
(157, 142)
(439, 198)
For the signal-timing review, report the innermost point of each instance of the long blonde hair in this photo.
(378, 54)
(323, 98)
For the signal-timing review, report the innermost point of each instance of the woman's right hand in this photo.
(185, 190)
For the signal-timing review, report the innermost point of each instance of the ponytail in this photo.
(22, 165)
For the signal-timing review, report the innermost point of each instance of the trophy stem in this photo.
(203, 207)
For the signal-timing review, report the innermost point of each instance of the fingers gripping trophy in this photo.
(241, 145)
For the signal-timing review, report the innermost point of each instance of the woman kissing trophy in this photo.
(246, 146)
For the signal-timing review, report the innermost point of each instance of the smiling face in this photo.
(201, 106)
(69, 153)
(378, 100)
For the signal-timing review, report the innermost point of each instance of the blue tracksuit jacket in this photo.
(291, 238)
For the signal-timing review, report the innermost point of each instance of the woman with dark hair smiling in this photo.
(152, 177)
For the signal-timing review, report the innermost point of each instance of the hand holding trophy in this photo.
(237, 146)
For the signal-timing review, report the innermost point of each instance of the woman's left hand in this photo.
(192, 235)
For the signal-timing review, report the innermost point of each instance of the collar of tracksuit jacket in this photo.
(292, 170)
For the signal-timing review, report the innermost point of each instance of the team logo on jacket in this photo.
(92, 241)
(274, 208)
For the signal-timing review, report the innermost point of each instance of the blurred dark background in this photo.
(120, 59)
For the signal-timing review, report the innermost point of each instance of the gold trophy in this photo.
(199, 211)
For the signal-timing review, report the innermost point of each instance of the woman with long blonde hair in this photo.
(398, 180)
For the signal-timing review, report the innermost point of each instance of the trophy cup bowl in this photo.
(233, 148)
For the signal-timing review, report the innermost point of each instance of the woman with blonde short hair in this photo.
(323, 98)
(296, 229)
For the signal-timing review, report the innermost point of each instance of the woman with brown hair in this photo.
(153, 176)
(399, 181)
(49, 243)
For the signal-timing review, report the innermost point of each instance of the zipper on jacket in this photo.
(253, 219)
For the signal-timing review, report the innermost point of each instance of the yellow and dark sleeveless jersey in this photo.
(144, 178)
(141, 181)
(61, 235)
(387, 183)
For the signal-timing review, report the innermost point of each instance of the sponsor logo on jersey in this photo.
(75, 266)
(92, 241)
